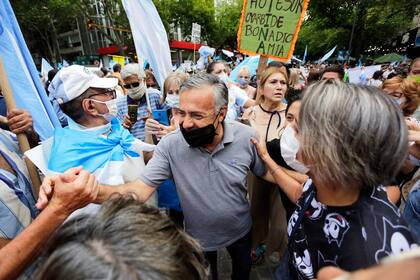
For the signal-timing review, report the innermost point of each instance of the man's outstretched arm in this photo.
(74, 190)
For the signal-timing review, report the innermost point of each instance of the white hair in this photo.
(132, 69)
(220, 90)
(351, 134)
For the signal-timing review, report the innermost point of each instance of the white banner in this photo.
(356, 77)
(149, 36)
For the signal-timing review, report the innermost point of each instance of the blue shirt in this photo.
(138, 128)
(17, 202)
(167, 196)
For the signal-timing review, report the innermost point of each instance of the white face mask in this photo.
(224, 77)
(112, 109)
(138, 92)
(172, 100)
(289, 147)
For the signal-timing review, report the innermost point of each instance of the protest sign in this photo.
(271, 27)
(118, 59)
(196, 33)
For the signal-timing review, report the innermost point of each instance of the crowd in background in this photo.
(294, 164)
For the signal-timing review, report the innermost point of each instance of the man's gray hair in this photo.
(124, 240)
(133, 69)
(351, 135)
(201, 80)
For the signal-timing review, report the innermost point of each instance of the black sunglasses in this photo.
(132, 85)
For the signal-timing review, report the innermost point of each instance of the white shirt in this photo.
(237, 98)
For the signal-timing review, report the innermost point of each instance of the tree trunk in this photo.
(360, 28)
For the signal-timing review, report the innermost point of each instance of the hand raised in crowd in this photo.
(414, 136)
(19, 121)
(127, 123)
(153, 127)
(69, 191)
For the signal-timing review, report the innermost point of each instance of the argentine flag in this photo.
(150, 38)
(110, 152)
(22, 74)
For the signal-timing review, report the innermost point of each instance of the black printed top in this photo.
(349, 237)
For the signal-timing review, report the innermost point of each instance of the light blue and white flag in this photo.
(22, 74)
(327, 55)
(251, 63)
(45, 68)
(304, 54)
(149, 36)
(297, 59)
(65, 63)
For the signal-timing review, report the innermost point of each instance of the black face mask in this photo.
(199, 137)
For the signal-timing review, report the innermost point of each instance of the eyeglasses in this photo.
(109, 93)
(132, 85)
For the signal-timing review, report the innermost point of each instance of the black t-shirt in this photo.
(273, 148)
(349, 237)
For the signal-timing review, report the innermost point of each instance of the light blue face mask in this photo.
(397, 101)
(243, 82)
(102, 129)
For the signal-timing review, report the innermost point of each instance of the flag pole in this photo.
(262, 64)
(22, 139)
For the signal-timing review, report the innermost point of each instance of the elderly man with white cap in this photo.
(94, 137)
(147, 100)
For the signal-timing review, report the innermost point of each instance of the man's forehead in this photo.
(197, 99)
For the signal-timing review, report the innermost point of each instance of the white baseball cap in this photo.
(72, 81)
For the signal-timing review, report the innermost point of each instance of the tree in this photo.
(115, 24)
(228, 15)
(185, 13)
(41, 21)
(330, 22)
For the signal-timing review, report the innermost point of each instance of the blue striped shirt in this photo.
(17, 202)
(138, 128)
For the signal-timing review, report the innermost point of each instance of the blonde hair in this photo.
(177, 77)
(264, 77)
(411, 92)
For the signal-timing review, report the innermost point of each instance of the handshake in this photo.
(67, 192)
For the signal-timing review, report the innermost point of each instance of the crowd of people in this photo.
(148, 181)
